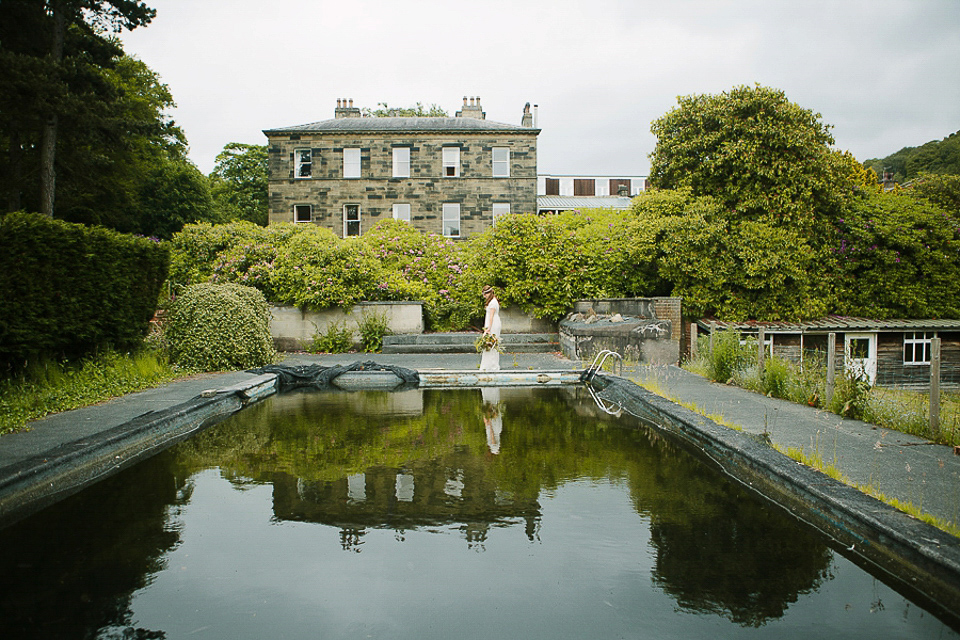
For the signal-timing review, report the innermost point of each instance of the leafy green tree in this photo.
(134, 143)
(238, 183)
(759, 155)
(730, 267)
(936, 156)
(417, 110)
(116, 141)
(940, 189)
(173, 194)
(62, 40)
(895, 255)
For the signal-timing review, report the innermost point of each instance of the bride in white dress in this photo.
(490, 358)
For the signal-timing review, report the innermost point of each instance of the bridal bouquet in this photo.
(487, 341)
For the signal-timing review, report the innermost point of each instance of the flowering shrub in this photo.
(425, 267)
(896, 256)
(315, 269)
(544, 263)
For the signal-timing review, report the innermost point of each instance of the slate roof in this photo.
(583, 202)
(378, 125)
(837, 324)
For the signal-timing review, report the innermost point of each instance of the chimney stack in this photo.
(345, 111)
(472, 110)
(527, 119)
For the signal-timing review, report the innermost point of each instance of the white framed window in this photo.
(351, 220)
(500, 209)
(401, 162)
(303, 213)
(916, 347)
(401, 211)
(451, 162)
(303, 163)
(351, 162)
(501, 162)
(451, 219)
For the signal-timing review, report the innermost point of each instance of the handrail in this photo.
(598, 361)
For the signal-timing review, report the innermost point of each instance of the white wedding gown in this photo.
(490, 358)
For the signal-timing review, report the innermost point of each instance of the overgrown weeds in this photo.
(338, 338)
(372, 327)
(48, 387)
(734, 362)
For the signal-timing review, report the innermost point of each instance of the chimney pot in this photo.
(351, 103)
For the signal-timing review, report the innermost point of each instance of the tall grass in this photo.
(899, 410)
(47, 387)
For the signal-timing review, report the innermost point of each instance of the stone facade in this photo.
(308, 184)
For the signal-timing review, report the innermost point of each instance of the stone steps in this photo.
(462, 342)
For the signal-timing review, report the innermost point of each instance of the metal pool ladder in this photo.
(599, 361)
(592, 370)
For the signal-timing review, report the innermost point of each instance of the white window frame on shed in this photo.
(501, 162)
(500, 209)
(401, 211)
(300, 208)
(351, 162)
(914, 346)
(302, 163)
(451, 162)
(451, 219)
(401, 162)
(348, 219)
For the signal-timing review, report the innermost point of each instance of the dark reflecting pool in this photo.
(505, 513)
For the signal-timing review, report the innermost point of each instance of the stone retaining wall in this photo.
(646, 330)
(294, 329)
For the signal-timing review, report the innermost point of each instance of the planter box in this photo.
(293, 329)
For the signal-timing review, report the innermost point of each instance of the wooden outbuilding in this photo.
(893, 353)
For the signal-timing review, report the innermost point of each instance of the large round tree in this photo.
(758, 154)
(776, 190)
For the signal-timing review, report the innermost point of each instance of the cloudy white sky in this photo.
(884, 73)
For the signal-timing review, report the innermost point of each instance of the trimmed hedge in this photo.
(67, 290)
(217, 327)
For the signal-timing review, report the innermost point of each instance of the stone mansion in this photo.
(450, 176)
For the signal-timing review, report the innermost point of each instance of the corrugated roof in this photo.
(373, 125)
(838, 324)
(583, 202)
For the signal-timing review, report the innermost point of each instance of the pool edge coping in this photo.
(917, 555)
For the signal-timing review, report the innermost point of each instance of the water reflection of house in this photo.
(440, 493)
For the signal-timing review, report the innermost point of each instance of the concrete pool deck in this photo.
(75, 448)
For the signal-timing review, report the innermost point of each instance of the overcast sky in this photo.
(885, 74)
